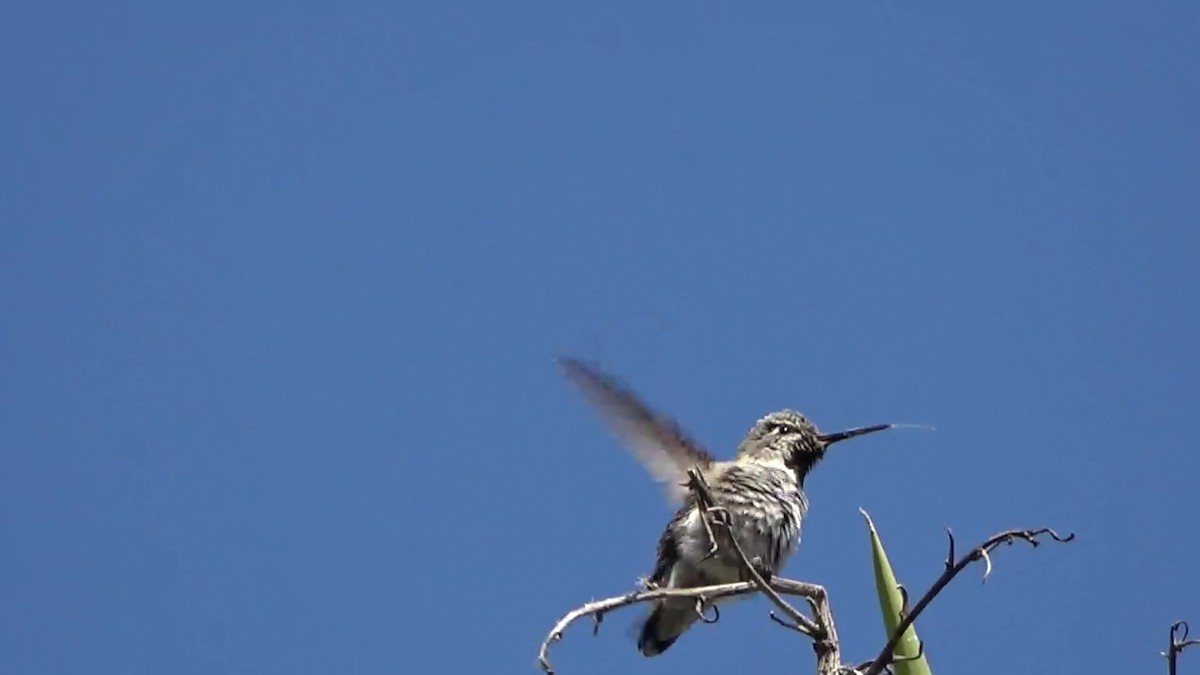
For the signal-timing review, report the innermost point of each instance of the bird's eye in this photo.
(781, 429)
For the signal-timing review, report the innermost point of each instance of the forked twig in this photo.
(1179, 642)
(953, 568)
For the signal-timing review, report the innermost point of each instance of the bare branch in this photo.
(887, 654)
(598, 608)
(1179, 642)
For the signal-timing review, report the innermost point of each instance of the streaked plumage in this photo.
(761, 489)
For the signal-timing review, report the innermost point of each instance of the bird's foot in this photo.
(761, 567)
(647, 583)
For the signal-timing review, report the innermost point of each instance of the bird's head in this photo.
(789, 436)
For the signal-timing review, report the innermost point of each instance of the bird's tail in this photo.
(666, 622)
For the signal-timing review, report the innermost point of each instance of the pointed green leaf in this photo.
(891, 603)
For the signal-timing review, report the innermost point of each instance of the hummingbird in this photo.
(761, 491)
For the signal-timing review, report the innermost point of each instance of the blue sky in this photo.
(282, 286)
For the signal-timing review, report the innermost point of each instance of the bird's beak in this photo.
(829, 439)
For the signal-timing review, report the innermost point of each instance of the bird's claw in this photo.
(761, 567)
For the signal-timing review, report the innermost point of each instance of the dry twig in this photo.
(887, 655)
(598, 608)
(1179, 642)
(821, 630)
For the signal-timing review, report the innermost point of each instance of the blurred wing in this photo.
(661, 445)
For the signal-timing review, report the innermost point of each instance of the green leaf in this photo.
(891, 603)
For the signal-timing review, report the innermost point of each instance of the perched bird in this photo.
(761, 491)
